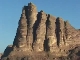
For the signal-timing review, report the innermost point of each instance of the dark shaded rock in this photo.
(7, 51)
(74, 53)
(60, 31)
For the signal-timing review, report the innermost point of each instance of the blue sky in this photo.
(10, 12)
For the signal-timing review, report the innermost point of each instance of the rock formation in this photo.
(40, 32)
(50, 33)
(31, 15)
(20, 38)
(41, 36)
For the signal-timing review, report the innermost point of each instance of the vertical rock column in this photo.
(40, 32)
(31, 17)
(60, 31)
(20, 38)
(50, 32)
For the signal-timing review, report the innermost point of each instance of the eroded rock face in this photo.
(40, 32)
(31, 17)
(20, 39)
(72, 35)
(60, 34)
(50, 33)
(41, 36)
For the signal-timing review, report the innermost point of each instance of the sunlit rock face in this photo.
(50, 33)
(41, 36)
(31, 15)
(20, 38)
(40, 32)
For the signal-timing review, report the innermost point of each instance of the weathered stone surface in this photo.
(60, 31)
(31, 17)
(41, 36)
(50, 33)
(72, 34)
(40, 32)
(20, 38)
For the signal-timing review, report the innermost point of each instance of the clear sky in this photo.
(10, 11)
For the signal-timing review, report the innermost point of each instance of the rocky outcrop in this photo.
(31, 15)
(60, 31)
(72, 35)
(50, 33)
(40, 32)
(20, 42)
(41, 36)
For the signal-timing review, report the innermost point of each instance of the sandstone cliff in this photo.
(41, 36)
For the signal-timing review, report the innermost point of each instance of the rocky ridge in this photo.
(41, 36)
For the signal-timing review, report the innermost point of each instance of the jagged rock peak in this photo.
(23, 10)
(32, 7)
(30, 4)
(41, 11)
(59, 18)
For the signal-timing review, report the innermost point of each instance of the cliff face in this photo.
(41, 34)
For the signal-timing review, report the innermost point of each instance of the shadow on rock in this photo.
(7, 51)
